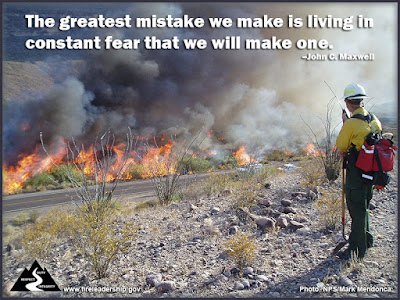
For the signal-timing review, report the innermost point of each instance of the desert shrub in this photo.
(354, 264)
(146, 204)
(244, 194)
(60, 174)
(209, 227)
(33, 215)
(312, 173)
(242, 248)
(215, 184)
(40, 237)
(329, 208)
(41, 188)
(195, 165)
(261, 176)
(278, 155)
(243, 173)
(191, 191)
(41, 180)
(92, 230)
(29, 189)
(227, 162)
(100, 239)
(329, 156)
(248, 183)
(136, 172)
(11, 234)
(332, 163)
(20, 219)
(52, 187)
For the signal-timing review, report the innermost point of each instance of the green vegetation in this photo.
(59, 174)
(195, 165)
(136, 172)
(226, 163)
(53, 179)
(41, 180)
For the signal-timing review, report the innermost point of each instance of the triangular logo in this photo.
(35, 279)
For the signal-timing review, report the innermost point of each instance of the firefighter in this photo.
(358, 193)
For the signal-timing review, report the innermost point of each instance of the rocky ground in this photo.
(179, 251)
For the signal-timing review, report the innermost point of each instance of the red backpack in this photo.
(376, 156)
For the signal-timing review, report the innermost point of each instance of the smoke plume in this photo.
(248, 97)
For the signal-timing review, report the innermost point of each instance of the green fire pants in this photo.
(358, 197)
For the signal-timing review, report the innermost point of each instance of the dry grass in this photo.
(92, 230)
(312, 173)
(215, 184)
(329, 208)
(242, 248)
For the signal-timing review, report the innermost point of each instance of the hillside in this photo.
(25, 80)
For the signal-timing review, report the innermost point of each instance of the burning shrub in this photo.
(166, 167)
(242, 248)
(95, 166)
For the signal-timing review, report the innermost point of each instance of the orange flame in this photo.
(15, 177)
(311, 150)
(242, 157)
(156, 161)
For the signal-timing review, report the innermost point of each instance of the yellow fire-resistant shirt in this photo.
(355, 131)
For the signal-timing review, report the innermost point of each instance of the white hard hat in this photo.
(354, 91)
